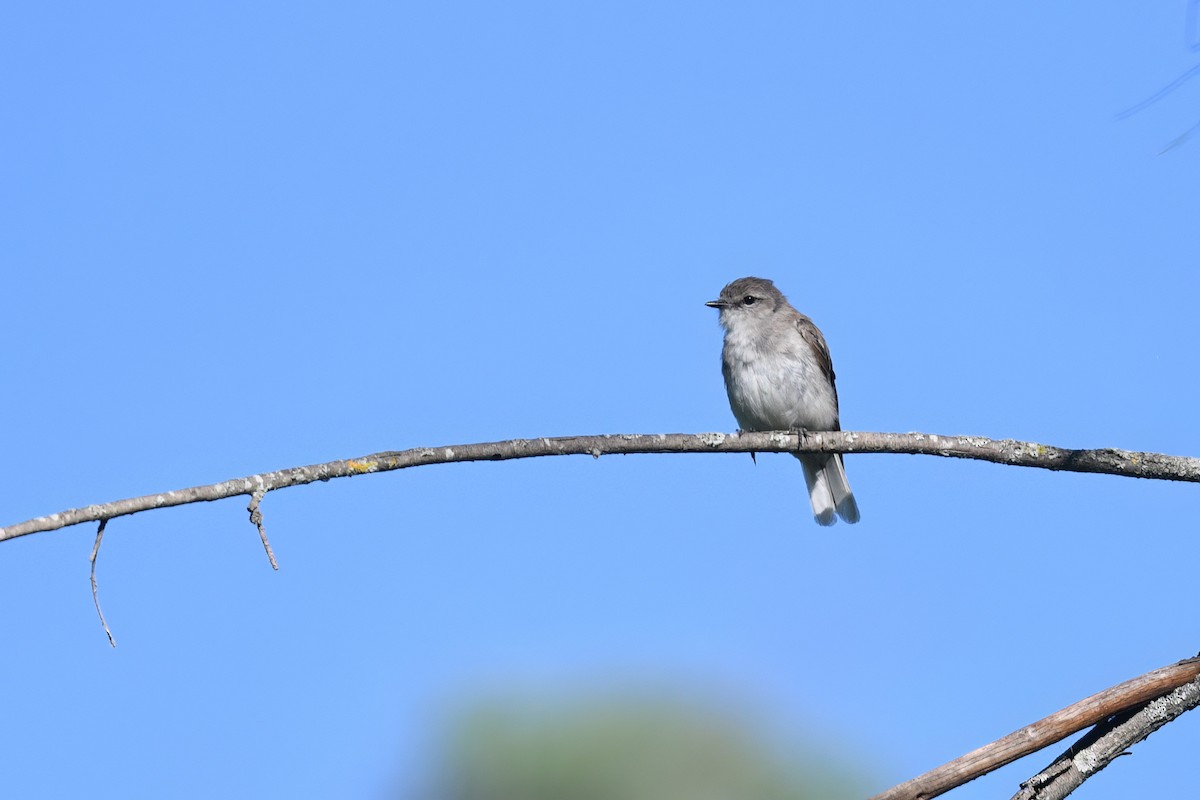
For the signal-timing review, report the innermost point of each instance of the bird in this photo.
(779, 376)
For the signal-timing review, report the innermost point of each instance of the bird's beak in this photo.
(715, 304)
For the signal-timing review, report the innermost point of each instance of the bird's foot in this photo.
(752, 456)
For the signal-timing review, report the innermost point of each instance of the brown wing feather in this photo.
(812, 335)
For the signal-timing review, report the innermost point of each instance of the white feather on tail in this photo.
(829, 489)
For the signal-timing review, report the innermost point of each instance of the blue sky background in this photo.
(242, 237)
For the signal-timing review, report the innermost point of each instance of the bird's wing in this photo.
(812, 336)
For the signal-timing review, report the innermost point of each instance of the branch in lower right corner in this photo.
(1104, 743)
(1099, 708)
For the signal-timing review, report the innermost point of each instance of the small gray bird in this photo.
(779, 377)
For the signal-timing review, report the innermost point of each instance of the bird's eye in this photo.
(749, 300)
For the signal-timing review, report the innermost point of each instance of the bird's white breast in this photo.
(776, 384)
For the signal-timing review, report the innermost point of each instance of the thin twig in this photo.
(1161, 93)
(95, 588)
(1045, 732)
(1180, 139)
(1106, 742)
(257, 518)
(1000, 451)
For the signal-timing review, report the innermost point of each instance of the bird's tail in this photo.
(829, 489)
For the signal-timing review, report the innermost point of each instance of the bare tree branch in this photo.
(1045, 732)
(1126, 711)
(1104, 743)
(256, 517)
(95, 586)
(1000, 451)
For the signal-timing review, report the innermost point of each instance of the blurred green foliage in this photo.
(628, 749)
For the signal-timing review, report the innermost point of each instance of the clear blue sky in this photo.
(244, 237)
